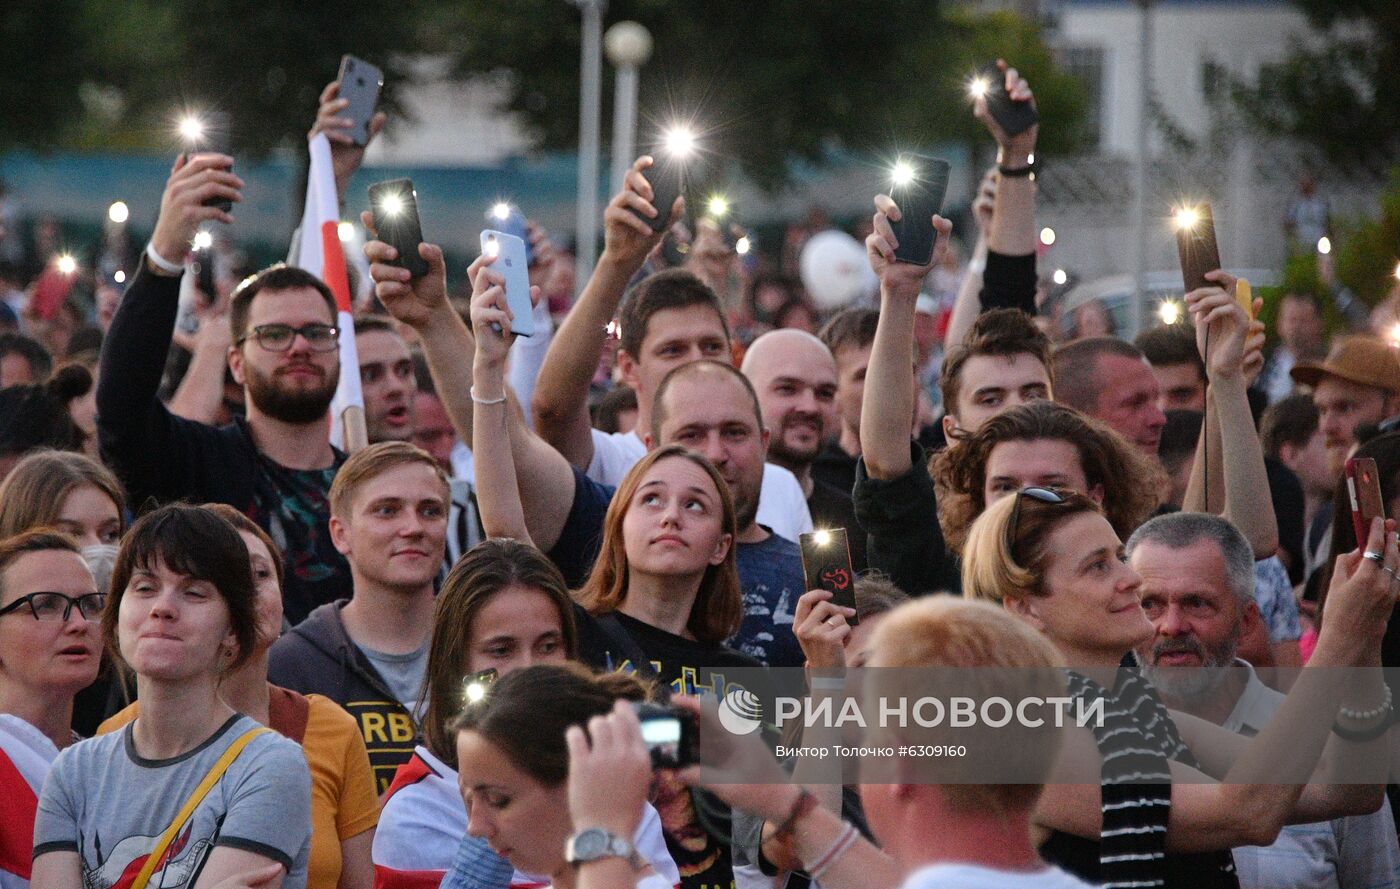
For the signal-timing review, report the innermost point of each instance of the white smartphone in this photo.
(512, 264)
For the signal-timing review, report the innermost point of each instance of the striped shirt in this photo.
(1137, 741)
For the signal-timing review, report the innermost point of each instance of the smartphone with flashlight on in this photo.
(474, 687)
(920, 183)
(671, 735)
(666, 178)
(1196, 246)
(826, 564)
(506, 217)
(510, 262)
(1364, 490)
(1014, 117)
(360, 83)
(209, 133)
(393, 206)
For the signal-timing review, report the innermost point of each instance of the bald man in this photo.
(794, 375)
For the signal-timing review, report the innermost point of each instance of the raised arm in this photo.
(200, 394)
(1012, 230)
(1235, 459)
(560, 403)
(346, 156)
(135, 431)
(968, 304)
(889, 405)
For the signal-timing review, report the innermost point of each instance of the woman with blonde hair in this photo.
(1160, 818)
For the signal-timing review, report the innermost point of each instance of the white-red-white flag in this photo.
(321, 254)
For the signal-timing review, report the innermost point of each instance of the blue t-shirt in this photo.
(770, 574)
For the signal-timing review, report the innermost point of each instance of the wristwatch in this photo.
(594, 843)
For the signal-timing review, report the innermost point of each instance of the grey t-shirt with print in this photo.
(109, 805)
(403, 673)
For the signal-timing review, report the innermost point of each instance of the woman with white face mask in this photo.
(75, 494)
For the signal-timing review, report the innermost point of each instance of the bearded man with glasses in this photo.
(276, 465)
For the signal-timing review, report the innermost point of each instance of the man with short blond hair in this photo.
(369, 654)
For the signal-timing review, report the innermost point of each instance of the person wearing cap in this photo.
(1357, 383)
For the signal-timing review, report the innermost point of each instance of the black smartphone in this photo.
(667, 179)
(204, 272)
(360, 83)
(1012, 116)
(214, 137)
(1196, 246)
(826, 563)
(394, 207)
(919, 190)
(671, 735)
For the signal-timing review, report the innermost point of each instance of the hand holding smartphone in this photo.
(360, 83)
(510, 262)
(1364, 491)
(1014, 117)
(920, 186)
(394, 208)
(1196, 246)
(211, 135)
(666, 175)
(826, 564)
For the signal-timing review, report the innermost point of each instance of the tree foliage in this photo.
(1332, 95)
(767, 83)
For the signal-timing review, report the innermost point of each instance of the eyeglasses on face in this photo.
(1044, 495)
(57, 606)
(279, 337)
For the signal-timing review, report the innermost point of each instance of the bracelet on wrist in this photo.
(1364, 734)
(485, 401)
(1028, 171)
(1367, 715)
(844, 841)
(163, 264)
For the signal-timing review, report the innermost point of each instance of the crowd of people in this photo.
(234, 656)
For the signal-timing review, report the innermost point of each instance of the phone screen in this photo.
(394, 207)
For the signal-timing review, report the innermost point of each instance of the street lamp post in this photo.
(590, 89)
(1141, 212)
(628, 46)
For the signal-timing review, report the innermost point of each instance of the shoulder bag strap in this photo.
(215, 773)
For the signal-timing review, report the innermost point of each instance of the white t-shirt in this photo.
(975, 876)
(424, 819)
(782, 508)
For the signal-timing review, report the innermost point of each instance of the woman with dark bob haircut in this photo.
(181, 614)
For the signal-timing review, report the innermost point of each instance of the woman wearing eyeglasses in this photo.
(1159, 817)
(191, 793)
(50, 650)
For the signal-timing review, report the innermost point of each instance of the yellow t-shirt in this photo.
(343, 801)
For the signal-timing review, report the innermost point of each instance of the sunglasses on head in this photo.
(1044, 495)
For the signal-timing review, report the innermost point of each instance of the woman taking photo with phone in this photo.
(513, 762)
(1053, 560)
(190, 793)
(344, 806)
(503, 607)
